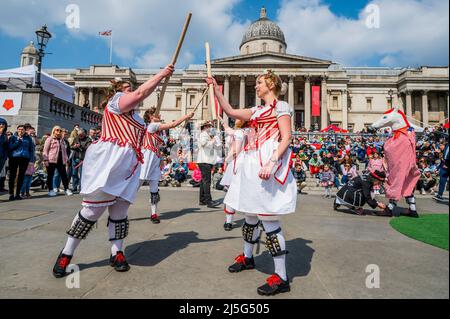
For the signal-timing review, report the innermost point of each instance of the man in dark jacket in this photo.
(357, 192)
(79, 146)
(3, 142)
(443, 174)
(21, 148)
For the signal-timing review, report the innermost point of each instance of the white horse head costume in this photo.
(395, 119)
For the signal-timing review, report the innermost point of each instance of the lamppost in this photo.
(42, 39)
(390, 93)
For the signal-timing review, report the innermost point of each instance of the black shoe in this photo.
(413, 213)
(213, 204)
(274, 285)
(155, 219)
(119, 262)
(59, 270)
(202, 204)
(11, 197)
(18, 197)
(228, 226)
(242, 263)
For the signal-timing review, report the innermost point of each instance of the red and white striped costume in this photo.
(248, 193)
(112, 164)
(150, 147)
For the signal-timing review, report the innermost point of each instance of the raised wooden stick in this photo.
(198, 104)
(211, 86)
(174, 60)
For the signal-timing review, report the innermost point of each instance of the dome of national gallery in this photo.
(263, 35)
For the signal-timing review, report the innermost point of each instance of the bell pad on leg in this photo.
(121, 228)
(248, 231)
(273, 244)
(81, 227)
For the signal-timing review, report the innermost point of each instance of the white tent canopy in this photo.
(21, 78)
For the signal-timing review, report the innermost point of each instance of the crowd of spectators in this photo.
(330, 159)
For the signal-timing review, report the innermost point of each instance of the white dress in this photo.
(150, 170)
(237, 138)
(112, 164)
(248, 193)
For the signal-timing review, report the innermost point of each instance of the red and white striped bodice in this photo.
(123, 130)
(264, 128)
(152, 142)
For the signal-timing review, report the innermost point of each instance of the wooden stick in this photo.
(174, 60)
(198, 104)
(211, 86)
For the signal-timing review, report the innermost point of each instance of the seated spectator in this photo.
(315, 165)
(427, 181)
(180, 170)
(196, 177)
(299, 172)
(217, 177)
(376, 163)
(348, 172)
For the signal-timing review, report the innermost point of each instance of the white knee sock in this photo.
(248, 248)
(411, 200)
(90, 213)
(229, 213)
(118, 211)
(154, 188)
(279, 261)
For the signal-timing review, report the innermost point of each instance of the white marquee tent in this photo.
(21, 78)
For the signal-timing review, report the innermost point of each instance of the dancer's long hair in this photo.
(148, 114)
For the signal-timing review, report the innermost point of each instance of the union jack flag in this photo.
(106, 33)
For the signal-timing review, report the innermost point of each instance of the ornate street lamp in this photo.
(42, 39)
(390, 93)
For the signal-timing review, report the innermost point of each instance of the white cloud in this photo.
(411, 33)
(152, 27)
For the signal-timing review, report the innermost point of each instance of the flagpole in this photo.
(110, 49)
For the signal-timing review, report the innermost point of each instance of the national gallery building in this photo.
(322, 92)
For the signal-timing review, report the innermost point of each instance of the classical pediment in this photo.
(269, 59)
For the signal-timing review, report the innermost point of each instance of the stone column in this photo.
(226, 94)
(324, 104)
(307, 100)
(184, 102)
(425, 107)
(91, 98)
(242, 93)
(447, 105)
(408, 103)
(399, 102)
(291, 100)
(344, 94)
(77, 96)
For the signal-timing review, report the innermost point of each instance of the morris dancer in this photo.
(264, 188)
(400, 155)
(151, 170)
(235, 145)
(111, 172)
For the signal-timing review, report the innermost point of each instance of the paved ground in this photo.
(186, 256)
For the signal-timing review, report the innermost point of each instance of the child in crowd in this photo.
(25, 190)
(327, 180)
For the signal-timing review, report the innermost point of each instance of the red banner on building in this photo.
(219, 110)
(315, 100)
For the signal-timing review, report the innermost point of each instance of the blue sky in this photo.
(328, 29)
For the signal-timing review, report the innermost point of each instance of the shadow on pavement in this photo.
(298, 260)
(152, 252)
(174, 214)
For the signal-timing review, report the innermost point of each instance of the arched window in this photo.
(247, 49)
(264, 47)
